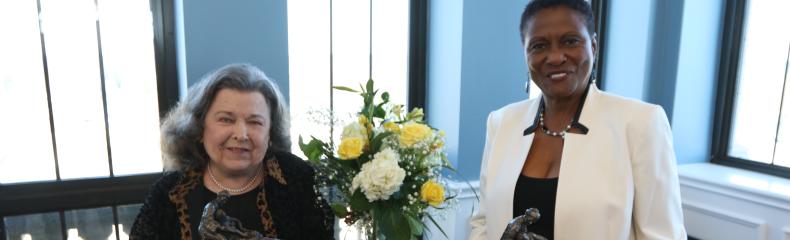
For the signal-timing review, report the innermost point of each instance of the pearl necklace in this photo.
(553, 133)
(233, 190)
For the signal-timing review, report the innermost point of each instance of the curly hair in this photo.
(533, 7)
(183, 126)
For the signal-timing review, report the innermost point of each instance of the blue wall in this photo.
(627, 51)
(249, 31)
(666, 53)
(443, 103)
(695, 88)
(488, 72)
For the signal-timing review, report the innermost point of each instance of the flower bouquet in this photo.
(385, 174)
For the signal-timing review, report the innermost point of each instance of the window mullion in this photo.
(115, 222)
(331, 78)
(103, 88)
(64, 231)
(781, 104)
(49, 94)
(418, 31)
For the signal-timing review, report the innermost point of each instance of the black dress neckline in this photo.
(540, 193)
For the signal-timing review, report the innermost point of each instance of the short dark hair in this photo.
(533, 7)
(183, 127)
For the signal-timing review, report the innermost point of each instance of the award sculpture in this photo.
(215, 224)
(517, 228)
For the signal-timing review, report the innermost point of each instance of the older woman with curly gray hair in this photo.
(231, 134)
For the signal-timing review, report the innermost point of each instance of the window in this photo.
(345, 43)
(81, 103)
(753, 112)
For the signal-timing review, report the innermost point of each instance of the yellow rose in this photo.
(391, 126)
(362, 119)
(432, 193)
(412, 133)
(350, 148)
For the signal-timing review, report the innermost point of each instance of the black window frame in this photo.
(64, 195)
(600, 11)
(733, 18)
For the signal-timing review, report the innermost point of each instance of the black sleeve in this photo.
(153, 221)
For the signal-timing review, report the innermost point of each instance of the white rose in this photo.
(355, 130)
(381, 177)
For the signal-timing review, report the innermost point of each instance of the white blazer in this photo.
(618, 181)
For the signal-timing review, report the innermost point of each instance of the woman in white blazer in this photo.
(596, 166)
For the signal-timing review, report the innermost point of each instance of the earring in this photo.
(526, 85)
(593, 77)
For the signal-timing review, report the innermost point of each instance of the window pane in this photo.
(126, 216)
(94, 223)
(26, 152)
(760, 83)
(72, 55)
(391, 48)
(130, 84)
(34, 226)
(308, 56)
(351, 50)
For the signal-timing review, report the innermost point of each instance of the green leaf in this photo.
(313, 149)
(315, 156)
(347, 89)
(379, 112)
(446, 163)
(437, 226)
(385, 97)
(414, 225)
(359, 203)
(369, 85)
(392, 221)
(347, 165)
(339, 209)
(469, 185)
(375, 144)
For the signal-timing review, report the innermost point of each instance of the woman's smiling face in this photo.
(559, 51)
(236, 132)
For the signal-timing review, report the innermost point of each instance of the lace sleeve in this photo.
(151, 221)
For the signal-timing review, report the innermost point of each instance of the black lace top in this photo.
(285, 201)
(540, 193)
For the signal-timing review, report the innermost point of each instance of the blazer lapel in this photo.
(577, 173)
(512, 149)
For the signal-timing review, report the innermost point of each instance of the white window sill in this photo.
(737, 183)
